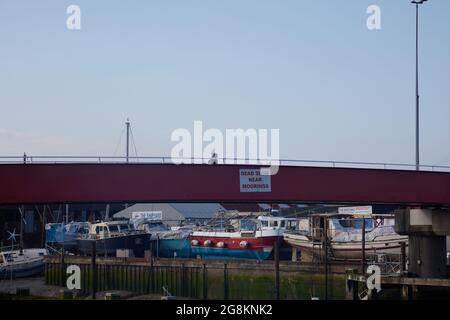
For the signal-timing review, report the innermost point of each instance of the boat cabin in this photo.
(277, 223)
(334, 223)
(105, 230)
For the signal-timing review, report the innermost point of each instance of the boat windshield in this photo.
(291, 225)
(248, 225)
(114, 229)
(356, 223)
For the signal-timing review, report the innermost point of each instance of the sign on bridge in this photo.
(251, 180)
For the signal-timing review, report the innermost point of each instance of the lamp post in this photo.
(416, 3)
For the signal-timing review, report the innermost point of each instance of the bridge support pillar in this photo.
(427, 248)
(427, 256)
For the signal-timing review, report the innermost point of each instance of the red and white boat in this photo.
(241, 238)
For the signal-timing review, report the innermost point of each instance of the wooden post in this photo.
(205, 282)
(277, 268)
(406, 292)
(183, 281)
(157, 246)
(415, 292)
(351, 288)
(225, 282)
(62, 270)
(294, 255)
(363, 241)
(403, 256)
(325, 254)
(94, 269)
(43, 226)
(46, 273)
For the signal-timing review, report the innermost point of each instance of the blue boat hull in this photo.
(173, 248)
(228, 254)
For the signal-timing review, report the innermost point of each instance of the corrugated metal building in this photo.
(174, 213)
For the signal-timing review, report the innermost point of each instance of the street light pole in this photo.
(128, 140)
(417, 2)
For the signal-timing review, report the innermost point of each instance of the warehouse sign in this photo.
(251, 180)
(146, 215)
(360, 211)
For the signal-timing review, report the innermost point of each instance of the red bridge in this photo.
(71, 183)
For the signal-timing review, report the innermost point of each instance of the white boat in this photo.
(344, 239)
(21, 263)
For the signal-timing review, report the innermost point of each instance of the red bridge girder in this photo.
(72, 183)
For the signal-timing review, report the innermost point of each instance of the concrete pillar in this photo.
(427, 256)
(427, 248)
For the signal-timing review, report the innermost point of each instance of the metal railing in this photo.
(7, 248)
(28, 159)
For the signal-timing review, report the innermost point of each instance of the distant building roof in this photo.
(198, 210)
(265, 206)
(168, 212)
(253, 207)
(174, 211)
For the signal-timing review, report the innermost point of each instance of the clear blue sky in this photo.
(310, 68)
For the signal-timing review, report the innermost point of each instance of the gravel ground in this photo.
(39, 289)
(36, 285)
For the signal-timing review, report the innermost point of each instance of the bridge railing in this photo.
(28, 159)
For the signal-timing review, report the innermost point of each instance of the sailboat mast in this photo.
(21, 211)
(107, 212)
(128, 140)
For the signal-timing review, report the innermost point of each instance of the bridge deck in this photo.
(62, 183)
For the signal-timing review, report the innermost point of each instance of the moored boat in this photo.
(21, 263)
(167, 242)
(65, 235)
(240, 238)
(114, 235)
(344, 238)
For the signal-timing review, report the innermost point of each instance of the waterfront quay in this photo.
(202, 279)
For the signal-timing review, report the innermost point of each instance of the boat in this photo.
(343, 234)
(21, 263)
(114, 235)
(65, 235)
(169, 242)
(240, 239)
